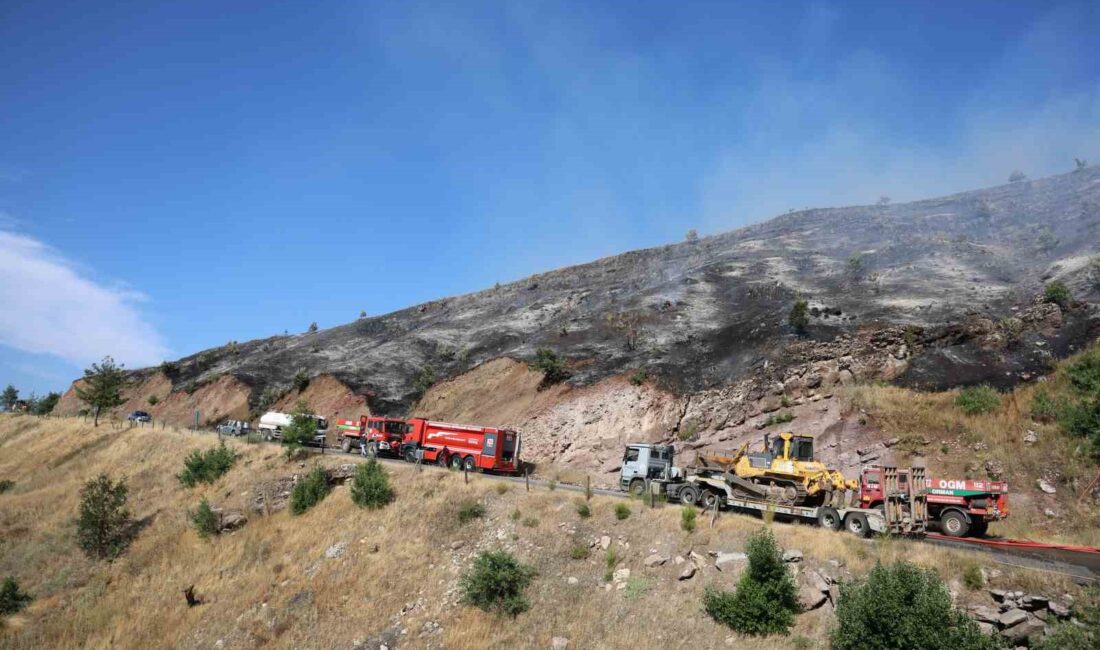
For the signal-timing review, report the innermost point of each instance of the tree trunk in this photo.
(96, 424)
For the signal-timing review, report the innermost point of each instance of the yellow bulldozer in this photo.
(784, 471)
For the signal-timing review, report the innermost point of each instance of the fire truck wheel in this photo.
(857, 525)
(456, 461)
(689, 496)
(468, 464)
(953, 524)
(828, 518)
(345, 445)
(410, 456)
(979, 528)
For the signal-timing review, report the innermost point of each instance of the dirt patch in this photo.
(221, 399)
(327, 396)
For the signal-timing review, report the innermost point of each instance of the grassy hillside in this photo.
(994, 444)
(271, 584)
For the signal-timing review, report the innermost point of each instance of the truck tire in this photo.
(345, 445)
(856, 523)
(456, 462)
(410, 455)
(637, 487)
(953, 524)
(828, 518)
(689, 496)
(469, 464)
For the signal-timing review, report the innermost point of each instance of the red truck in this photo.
(462, 446)
(373, 435)
(961, 507)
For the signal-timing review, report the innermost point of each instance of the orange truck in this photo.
(960, 506)
(462, 446)
(372, 435)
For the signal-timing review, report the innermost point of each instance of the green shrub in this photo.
(687, 518)
(1043, 407)
(469, 511)
(636, 587)
(583, 511)
(206, 466)
(371, 486)
(153, 400)
(12, 599)
(530, 522)
(766, 598)
(610, 560)
(6, 485)
(976, 400)
(622, 511)
(973, 578)
(688, 431)
(799, 318)
(424, 380)
(1082, 419)
(516, 514)
(501, 488)
(205, 520)
(309, 491)
(779, 418)
(550, 365)
(579, 552)
(903, 606)
(1084, 374)
(103, 526)
(302, 428)
(496, 583)
(638, 377)
(1082, 634)
(1058, 293)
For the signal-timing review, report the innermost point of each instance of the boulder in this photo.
(810, 598)
(1012, 617)
(1058, 608)
(605, 542)
(723, 559)
(231, 520)
(1031, 602)
(1028, 629)
(620, 575)
(688, 573)
(559, 643)
(655, 560)
(1031, 437)
(336, 550)
(985, 614)
(1045, 486)
(792, 555)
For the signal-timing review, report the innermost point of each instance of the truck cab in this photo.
(646, 462)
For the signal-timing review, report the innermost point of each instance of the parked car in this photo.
(234, 428)
(139, 416)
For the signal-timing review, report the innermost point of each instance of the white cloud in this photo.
(48, 306)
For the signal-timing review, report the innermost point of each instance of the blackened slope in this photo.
(710, 311)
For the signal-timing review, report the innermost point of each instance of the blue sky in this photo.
(176, 176)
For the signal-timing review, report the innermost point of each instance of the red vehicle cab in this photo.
(376, 435)
(961, 507)
(462, 446)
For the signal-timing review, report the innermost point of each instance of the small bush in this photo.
(205, 520)
(1084, 374)
(300, 431)
(1043, 408)
(691, 235)
(153, 400)
(1058, 293)
(610, 560)
(896, 606)
(12, 599)
(103, 526)
(636, 587)
(6, 485)
(766, 597)
(301, 380)
(206, 466)
(688, 431)
(579, 552)
(973, 578)
(530, 522)
(371, 486)
(501, 488)
(779, 418)
(469, 511)
(622, 511)
(799, 318)
(687, 518)
(976, 400)
(496, 583)
(583, 511)
(309, 491)
(638, 377)
(550, 365)
(313, 328)
(425, 379)
(516, 514)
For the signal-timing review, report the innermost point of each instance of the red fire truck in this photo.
(373, 435)
(462, 446)
(961, 507)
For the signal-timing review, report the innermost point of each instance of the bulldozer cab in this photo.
(783, 447)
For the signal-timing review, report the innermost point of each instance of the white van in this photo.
(272, 424)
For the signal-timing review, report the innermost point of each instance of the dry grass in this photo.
(270, 584)
(960, 445)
